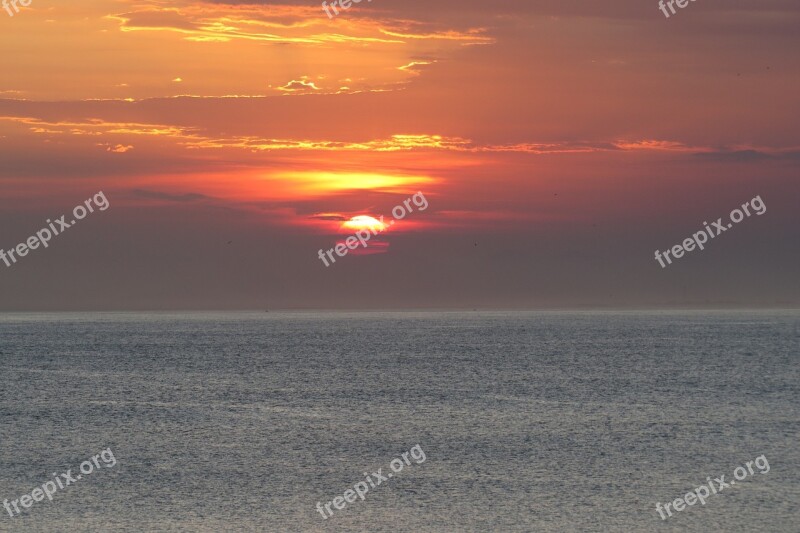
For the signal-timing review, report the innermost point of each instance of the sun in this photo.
(364, 222)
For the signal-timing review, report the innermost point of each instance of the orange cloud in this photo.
(299, 85)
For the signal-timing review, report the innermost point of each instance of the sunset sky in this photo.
(558, 143)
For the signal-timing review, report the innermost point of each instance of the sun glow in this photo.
(342, 181)
(363, 222)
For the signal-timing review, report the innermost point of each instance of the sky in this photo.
(557, 144)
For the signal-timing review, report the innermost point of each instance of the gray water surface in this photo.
(536, 421)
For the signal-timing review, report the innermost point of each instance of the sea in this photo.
(554, 421)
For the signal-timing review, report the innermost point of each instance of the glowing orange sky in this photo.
(511, 117)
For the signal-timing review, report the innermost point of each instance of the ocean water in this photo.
(534, 421)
